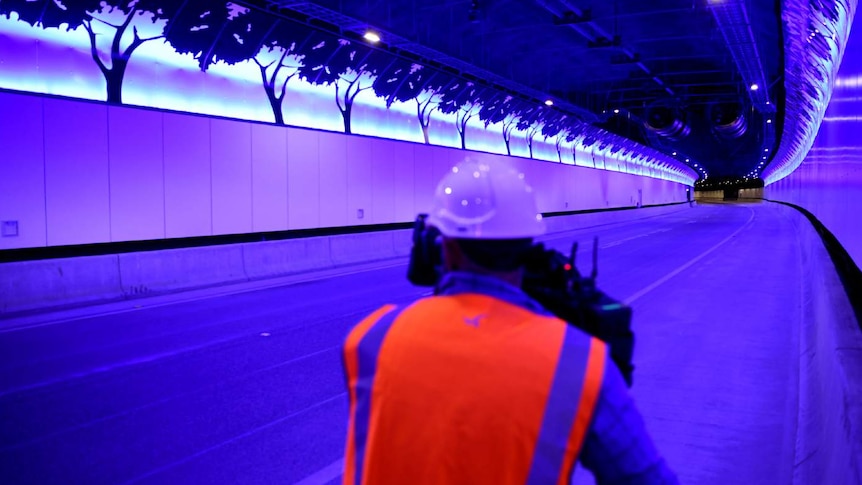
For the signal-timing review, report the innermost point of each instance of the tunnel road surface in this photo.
(246, 387)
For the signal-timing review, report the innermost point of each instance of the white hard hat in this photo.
(476, 200)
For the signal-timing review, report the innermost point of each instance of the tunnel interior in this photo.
(199, 200)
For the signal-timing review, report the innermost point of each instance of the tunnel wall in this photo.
(829, 420)
(61, 282)
(828, 183)
(79, 172)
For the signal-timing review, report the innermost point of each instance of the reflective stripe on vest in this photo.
(468, 389)
(360, 375)
(553, 463)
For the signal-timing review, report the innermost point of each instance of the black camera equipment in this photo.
(553, 280)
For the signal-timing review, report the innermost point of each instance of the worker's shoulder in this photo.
(360, 329)
(474, 300)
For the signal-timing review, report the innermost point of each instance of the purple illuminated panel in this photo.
(829, 181)
(184, 63)
(815, 43)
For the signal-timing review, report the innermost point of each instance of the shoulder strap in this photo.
(569, 408)
(360, 365)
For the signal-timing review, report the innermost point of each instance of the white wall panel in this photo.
(554, 191)
(188, 182)
(359, 181)
(121, 173)
(231, 176)
(570, 180)
(76, 172)
(443, 160)
(334, 159)
(269, 177)
(589, 189)
(22, 170)
(303, 179)
(424, 182)
(403, 171)
(136, 151)
(386, 157)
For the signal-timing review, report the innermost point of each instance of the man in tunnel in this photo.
(479, 384)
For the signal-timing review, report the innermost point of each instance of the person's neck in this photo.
(513, 278)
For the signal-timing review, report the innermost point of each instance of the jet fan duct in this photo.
(728, 120)
(667, 122)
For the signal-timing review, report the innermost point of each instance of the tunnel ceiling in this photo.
(672, 74)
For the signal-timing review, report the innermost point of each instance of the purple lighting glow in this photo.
(171, 74)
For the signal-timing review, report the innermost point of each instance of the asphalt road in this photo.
(243, 384)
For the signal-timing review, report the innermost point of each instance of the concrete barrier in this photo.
(150, 272)
(594, 219)
(279, 258)
(829, 424)
(31, 285)
(60, 282)
(357, 248)
(402, 240)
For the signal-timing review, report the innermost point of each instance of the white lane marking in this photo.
(324, 475)
(659, 282)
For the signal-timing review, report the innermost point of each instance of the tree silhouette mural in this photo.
(348, 65)
(279, 60)
(117, 16)
(195, 27)
(504, 109)
(232, 34)
(557, 126)
(531, 122)
(404, 80)
(463, 98)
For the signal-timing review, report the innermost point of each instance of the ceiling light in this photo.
(616, 111)
(371, 36)
(769, 121)
(755, 87)
(687, 160)
(549, 102)
(766, 149)
(674, 153)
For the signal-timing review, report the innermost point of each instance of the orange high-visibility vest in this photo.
(467, 389)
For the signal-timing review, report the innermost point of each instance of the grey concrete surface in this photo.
(34, 284)
(829, 437)
(246, 387)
